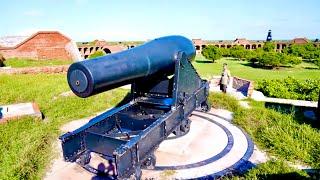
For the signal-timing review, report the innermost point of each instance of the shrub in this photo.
(290, 88)
(211, 52)
(96, 54)
(2, 59)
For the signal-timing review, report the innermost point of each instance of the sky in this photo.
(129, 20)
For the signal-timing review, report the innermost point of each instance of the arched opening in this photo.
(254, 46)
(85, 49)
(80, 49)
(248, 46)
(228, 46)
(278, 46)
(203, 46)
(97, 48)
(284, 46)
(197, 47)
(242, 45)
(107, 51)
(259, 45)
(85, 56)
(132, 46)
(217, 45)
(223, 46)
(91, 48)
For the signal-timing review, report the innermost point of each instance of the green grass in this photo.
(244, 70)
(273, 169)
(282, 136)
(26, 144)
(23, 62)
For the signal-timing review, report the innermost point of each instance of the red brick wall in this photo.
(43, 45)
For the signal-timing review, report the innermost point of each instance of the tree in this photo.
(2, 59)
(211, 52)
(275, 59)
(270, 59)
(238, 52)
(269, 47)
(306, 51)
(96, 54)
(225, 52)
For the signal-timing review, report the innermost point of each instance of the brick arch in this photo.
(106, 50)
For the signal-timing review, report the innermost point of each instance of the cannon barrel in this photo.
(93, 76)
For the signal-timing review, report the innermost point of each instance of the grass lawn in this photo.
(283, 136)
(21, 62)
(26, 144)
(243, 69)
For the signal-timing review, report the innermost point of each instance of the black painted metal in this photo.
(165, 90)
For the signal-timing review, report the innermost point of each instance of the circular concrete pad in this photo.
(212, 148)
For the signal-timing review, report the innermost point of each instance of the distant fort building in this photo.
(41, 45)
(87, 48)
(250, 44)
(54, 45)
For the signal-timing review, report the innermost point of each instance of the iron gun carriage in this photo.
(165, 89)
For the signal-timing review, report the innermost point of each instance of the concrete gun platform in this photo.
(213, 148)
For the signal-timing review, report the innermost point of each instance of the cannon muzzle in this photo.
(93, 76)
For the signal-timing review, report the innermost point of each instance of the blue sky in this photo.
(118, 20)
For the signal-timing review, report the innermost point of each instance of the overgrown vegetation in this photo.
(96, 54)
(281, 135)
(291, 88)
(26, 144)
(25, 62)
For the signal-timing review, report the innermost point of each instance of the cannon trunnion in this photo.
(165, 89)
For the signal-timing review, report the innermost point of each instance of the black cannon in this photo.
(165, 89)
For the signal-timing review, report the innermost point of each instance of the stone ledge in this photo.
(15, 111)
(244, 86)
